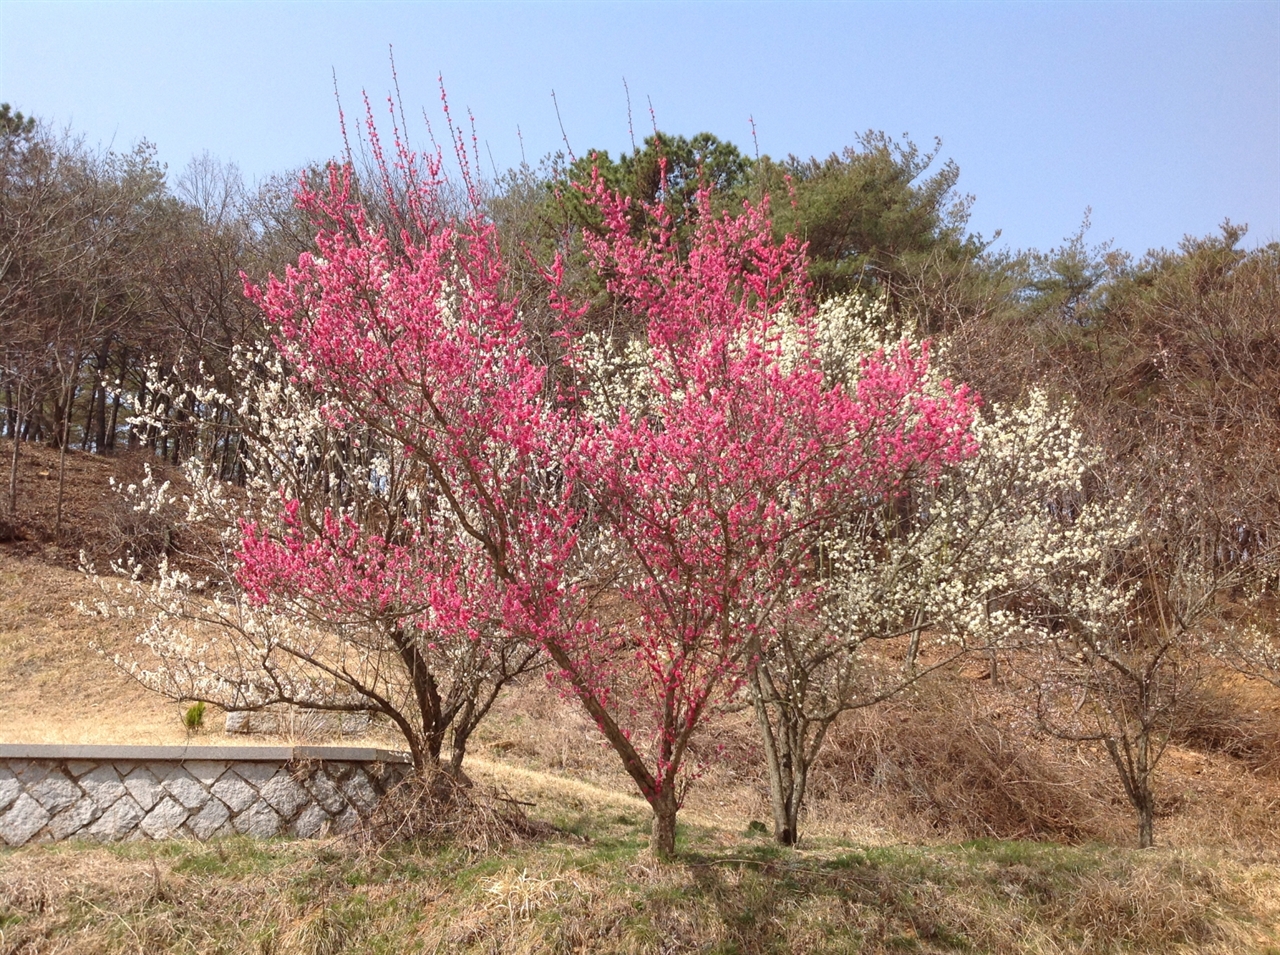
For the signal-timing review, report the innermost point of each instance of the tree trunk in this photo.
(785, 766)
(782, 782)
(663, 841)
(99, 406)
(1147, 825)
(63, 438)
(136, 435)
(13, 463)
(1134, 766)
(62, 473)
(116, 399)
(913, 648)
(100, 435)
(456, 757)
(115, 415)
(785, 824)
(86, 433)
(1146, 799)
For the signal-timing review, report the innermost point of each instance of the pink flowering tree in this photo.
(716, 454)
(331, 581)
(405, 331)
(689, 487)
(410, 614)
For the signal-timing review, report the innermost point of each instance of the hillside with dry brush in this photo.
(940, 821)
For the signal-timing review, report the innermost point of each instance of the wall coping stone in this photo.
(241, 754)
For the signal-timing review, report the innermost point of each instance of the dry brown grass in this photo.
(87, 493)
(553, 897)
(1232, 716)
(54, 687)
(943, 762)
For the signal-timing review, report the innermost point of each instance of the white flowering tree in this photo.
(360, 561)
(1253, 648)
(961, 557)
(1118, 644)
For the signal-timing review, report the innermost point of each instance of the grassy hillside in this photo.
(593, 888)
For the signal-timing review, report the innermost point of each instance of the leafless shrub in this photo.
(447, 807)
(935, 760)
(1214, 720)
(130, 535)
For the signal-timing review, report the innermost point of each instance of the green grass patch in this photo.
(597, 889)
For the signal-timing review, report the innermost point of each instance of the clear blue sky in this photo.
(1163, 117)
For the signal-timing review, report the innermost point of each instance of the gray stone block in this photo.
(185, 788)
(144, 788)
(70, 821)
(380, 773)
(165, 819)
(55, 792)
(250, 721)
(349, 754)
(102, 785)
(338, 770)
(325, 792)
(285, 796)
(23, 820)
(206, 771)
(313, 821)
(360, 792)
(78, 767)
(347, 821)
(255, 774)
(354, 724)
(259, 821)
(32, 772)
(235, 792)
(9, 789)
(119, 821)
(209, 820)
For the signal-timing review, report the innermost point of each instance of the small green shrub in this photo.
(193, 718)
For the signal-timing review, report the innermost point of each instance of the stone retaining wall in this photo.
(108, 793)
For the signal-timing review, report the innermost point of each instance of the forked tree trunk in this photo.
(786, 758)
(781, 767)
(1135, 776)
